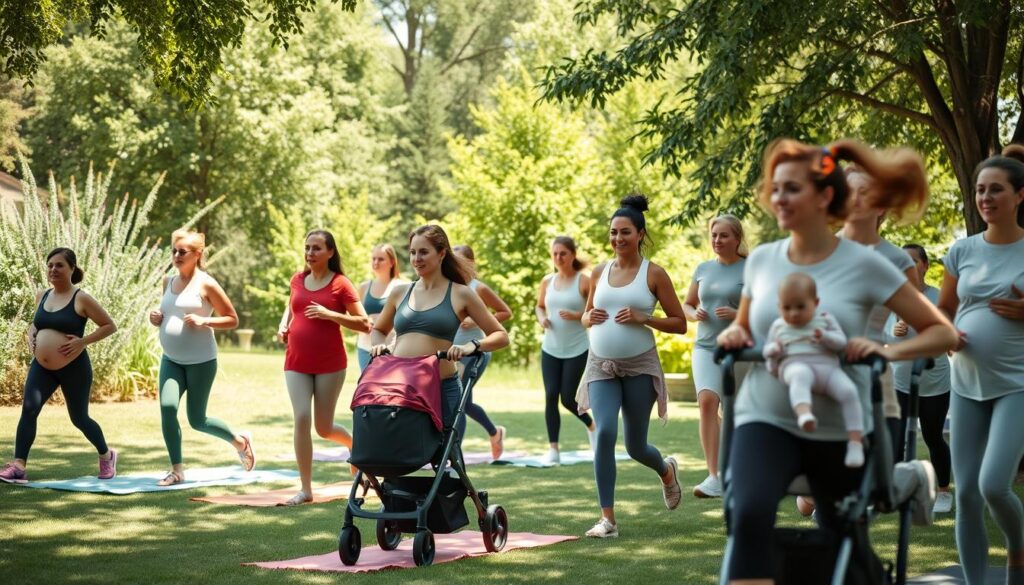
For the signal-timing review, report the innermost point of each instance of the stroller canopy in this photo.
(402, 382)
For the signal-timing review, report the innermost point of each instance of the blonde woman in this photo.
(711, 302)
(189, 364)
(374, 293)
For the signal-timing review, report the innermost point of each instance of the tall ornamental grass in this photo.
(123, 271)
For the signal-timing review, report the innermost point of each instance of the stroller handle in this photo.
(443, 355)
(727, 358)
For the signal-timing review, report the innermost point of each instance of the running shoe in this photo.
(247, 455)
(11, 473)
(711, 487)
(603, 529)
(672, 492)
(498, 443)
(943, 503)
(552, 458)
(108, 467)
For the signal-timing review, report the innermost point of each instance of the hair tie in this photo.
(828, 162)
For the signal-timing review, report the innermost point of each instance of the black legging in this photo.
(75, 379)
(763, 461)
(932, 412)
(561, 378)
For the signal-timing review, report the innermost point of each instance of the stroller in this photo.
(810, 556)
(397, 430)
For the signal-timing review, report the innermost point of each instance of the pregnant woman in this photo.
(58, 341)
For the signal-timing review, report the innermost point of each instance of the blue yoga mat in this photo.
(954, 576)
(146, 482)
(567, 458)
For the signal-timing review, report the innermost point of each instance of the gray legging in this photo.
(635, 397)
(988, 441)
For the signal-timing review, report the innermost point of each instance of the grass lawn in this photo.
(50, 536)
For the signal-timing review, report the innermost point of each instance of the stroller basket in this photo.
(447, 512)
(392, 441)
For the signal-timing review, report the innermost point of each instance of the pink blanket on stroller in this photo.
(403, 382)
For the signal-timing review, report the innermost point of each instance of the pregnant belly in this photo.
(991, 338)
(48, 342)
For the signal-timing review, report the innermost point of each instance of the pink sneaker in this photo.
(108, 467)
(11, 473)
(247, 455)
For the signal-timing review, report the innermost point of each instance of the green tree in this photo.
(943, 76)
(182, 44)
(12, 112)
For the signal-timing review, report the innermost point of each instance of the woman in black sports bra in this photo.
(426, 314)
(58, 341)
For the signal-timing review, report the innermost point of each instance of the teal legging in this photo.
(988, 441)
(197, 380)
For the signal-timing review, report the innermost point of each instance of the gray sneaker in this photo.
(672, 492)
(915, 481)
(711, 487)
(943, 503)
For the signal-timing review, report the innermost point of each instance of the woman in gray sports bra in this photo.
(427, 313)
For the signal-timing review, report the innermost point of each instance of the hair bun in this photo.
(1014, 151)
(635, 201)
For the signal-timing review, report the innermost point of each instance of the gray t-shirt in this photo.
(933, 382)
(902, 260)
(719, 285)
(851, 281)
(992, 363)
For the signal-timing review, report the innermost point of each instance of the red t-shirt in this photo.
(315, 345)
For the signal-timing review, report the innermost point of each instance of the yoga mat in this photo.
(953, 575)
(567, 458)
(321, 494)
(146, 482)
(450, 547)
(340, 454)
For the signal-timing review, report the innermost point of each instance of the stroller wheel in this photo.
(388, 534)
(495, 528)
(349, 545)
(423, 548)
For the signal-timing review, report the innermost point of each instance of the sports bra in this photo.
(372, 304)
(439, 321)
(65, 319)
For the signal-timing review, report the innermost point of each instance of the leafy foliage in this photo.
(181, 43)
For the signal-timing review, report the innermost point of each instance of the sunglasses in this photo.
(179, 252)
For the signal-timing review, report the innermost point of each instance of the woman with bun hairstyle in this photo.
(623, 370)
(374, 292)
(469, 331)
(57, 341)
(427, 314)
(563, 353)
(711, 302)
(189, 363)
(983, 290)
(806, 190)
(322, 301)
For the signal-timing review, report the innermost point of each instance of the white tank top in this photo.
(615, 340)
(181, 344)
(566, 338)
(465, 335)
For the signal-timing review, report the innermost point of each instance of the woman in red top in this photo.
(322, 299)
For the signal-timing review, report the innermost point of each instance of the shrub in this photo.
(122, 271)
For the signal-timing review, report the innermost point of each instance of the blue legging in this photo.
(474, 410)
(75, 380)
(988, 441)
(635, 397)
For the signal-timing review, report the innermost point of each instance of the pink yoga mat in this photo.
(450, 547)
(324, 493)
(342, 454)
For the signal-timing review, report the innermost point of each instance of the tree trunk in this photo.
(964, 170)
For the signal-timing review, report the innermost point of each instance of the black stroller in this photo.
(391, 442)
(811, 556)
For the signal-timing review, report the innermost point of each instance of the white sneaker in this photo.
(591, 437)
(943, 503)
(603, 529)
(915, 481)
(672, 492)
(711, 487)
(552, 458)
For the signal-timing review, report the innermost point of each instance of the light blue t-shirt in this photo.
(992, 363)
(719, 285)
(851, 281)
(933, 382)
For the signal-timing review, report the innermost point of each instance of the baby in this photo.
(802, 351)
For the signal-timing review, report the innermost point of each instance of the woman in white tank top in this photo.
(189, 363)
(623, 371)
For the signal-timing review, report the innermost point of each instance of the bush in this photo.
(122, 273)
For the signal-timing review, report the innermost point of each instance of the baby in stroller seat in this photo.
(802, 351)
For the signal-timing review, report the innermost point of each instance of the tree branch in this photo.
(462, 49)
(391, 29)
(472, 57)
(887, 107)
